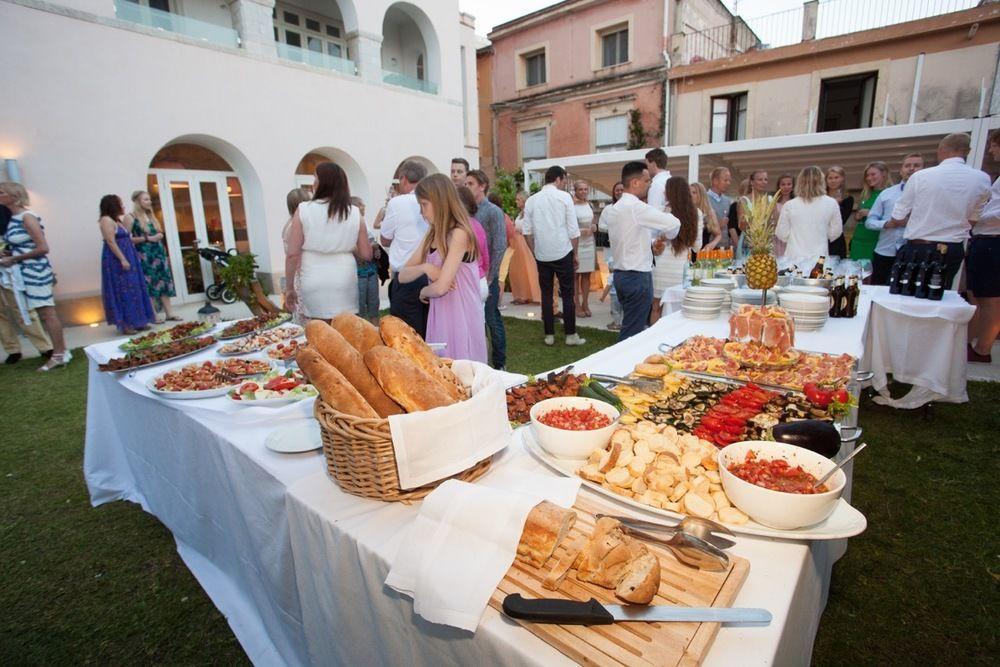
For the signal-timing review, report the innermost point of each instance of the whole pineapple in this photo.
(761, 267)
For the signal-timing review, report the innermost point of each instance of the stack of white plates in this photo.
(702, 302)
(807, 289)
(752, 296)
(727, 284)
(809, 311)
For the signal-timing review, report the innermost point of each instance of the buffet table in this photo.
(297, 566)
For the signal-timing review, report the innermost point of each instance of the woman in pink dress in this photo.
(449, 257)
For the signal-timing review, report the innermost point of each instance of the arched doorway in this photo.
(199, 199)
(410, 51)
(356, 180)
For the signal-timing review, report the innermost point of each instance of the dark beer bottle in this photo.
(817, 271)
(835, 294)
(853, 296)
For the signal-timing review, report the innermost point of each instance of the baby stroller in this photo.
(218, 291)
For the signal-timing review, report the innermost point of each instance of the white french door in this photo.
(196, 213)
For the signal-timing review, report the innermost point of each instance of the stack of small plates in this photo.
(703, 303)
(752, 296)
(807, 289)
(727, 284)
(809, 311)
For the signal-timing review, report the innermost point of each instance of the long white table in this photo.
(297, 566)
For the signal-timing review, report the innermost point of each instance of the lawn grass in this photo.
(105, 585)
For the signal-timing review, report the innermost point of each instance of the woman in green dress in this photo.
(148, 239)
(877, 179)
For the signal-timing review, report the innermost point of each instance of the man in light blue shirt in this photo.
(890, 240)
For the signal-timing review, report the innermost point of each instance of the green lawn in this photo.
(105, 586)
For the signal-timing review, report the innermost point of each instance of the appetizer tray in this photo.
(188, 395)
(845, 521)
(253, 344)
(131, 369)
(202, 329)
(264, 325)
(628, 643)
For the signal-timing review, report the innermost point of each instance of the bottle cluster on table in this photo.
(844, 297)
(921, 277)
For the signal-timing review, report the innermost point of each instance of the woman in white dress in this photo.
(809, 222)
(324, 238)
(668, 269)
(586, 250)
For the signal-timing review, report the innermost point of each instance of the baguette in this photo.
(336, 350)
(640, 580)
(359, 332)
(332, 385)
(404, 381)
(612, 559)
(545, 527)
(400, 336)
(563, 564)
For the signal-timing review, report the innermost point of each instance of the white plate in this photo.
(806, 289)
(705, 290)
(302, 436)
(188, 395)
(844, 522)
(269, 402)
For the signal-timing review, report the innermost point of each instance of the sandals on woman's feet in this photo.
(56, 361)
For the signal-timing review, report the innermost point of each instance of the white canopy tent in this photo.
(851, 149)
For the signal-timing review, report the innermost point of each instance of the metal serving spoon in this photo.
(690, 550)
(703, 529)
(837, 467)
(646, 385)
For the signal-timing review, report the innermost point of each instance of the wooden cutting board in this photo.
(628, 643)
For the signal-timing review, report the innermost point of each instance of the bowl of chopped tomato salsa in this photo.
(571, 427)
(772, 483)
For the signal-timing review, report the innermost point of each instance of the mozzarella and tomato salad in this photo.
(290, 384)
(776, 475)
(575, 419)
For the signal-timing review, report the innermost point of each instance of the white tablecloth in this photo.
(919, 342)
(297, 566)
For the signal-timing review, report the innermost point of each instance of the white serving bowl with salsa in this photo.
(565, 443)
(787, 509)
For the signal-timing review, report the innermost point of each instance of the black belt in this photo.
(924, 242)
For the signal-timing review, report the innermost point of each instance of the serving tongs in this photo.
(645, 385)
(692, 540)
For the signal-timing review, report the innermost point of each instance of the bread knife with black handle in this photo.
(592, 612)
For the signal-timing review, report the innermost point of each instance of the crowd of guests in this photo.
(447, 248)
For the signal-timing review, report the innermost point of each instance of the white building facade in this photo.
(218, 109)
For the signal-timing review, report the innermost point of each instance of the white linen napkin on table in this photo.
(439, 443)
(464, 540)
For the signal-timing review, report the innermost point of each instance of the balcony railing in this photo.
(182, 25)
(397, 79)
(316, 59)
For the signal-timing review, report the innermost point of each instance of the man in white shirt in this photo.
(982, 272)
(550, 228)
(656, 163)
(939, 205)
(403, 230)
(889, 240)
(630, 222)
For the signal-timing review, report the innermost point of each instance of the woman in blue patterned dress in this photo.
(148, 239)
(123, 286)
(28, 251)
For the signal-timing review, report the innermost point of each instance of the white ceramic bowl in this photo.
(807, 289)
(777, 509)
(804, 302)
(575, 445)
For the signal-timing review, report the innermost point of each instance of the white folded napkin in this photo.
(464, 540)
(439, 443)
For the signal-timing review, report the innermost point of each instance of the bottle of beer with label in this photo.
(853, 296)
(817, 271)
(921, 276)
(894, 275)
(835, 294)
(935, 284)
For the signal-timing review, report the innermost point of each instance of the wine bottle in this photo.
(935, 284)
(817, 271)
(894, 275)
(920, 278)
(853, 296)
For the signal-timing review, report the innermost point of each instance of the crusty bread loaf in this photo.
(404, 381)
(332, 385)
(335, 349)
(400, 336)
(359, 332)
(564, 562)
(545, 527)
(612, 559)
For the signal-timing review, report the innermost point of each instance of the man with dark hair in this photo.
(491, 218)
(459, 170)
(403, 230)
(552, 232)
(656, 163)
(630, 222)
(889, 240)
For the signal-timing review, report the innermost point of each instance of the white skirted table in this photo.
(297, 566)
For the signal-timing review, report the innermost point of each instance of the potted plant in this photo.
(240, 276)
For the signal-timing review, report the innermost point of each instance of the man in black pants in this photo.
(552, 233)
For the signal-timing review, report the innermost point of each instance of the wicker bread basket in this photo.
(360, 457)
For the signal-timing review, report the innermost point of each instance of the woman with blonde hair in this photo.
(147, 235)
(27, 251)
(449, 257)
(877, 179)
(586, 252)
(785, 192)
(757, 182)
(810, 221)
(711, 234)
(836, 187)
